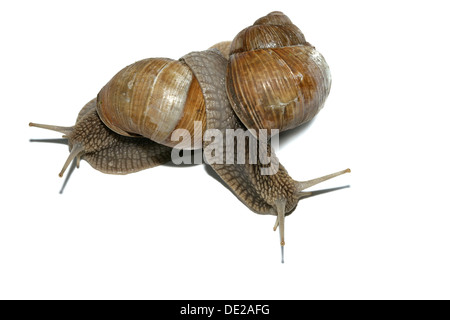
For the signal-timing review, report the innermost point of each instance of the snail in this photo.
(275, 79)
(129, 126)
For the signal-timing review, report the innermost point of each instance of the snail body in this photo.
(128, 126)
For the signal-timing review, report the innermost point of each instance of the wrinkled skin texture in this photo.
(256, 191)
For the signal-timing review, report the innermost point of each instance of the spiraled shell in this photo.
(275, 79)
(152, 98)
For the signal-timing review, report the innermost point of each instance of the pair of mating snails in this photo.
(268, 77)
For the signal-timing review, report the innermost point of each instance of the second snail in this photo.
(267, 78)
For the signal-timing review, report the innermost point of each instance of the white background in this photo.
(177, 233)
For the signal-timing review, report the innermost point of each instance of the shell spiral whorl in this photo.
(275, 79)
(152, 98)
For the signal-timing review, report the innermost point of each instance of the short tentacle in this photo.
(69, 174)
(280, 205)
(77, 150)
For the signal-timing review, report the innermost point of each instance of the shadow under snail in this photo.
(268, 77)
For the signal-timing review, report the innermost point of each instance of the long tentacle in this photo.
(61, 129)
(302, 185)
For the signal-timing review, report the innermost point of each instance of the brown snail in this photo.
(275, 79)
(190, 89)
